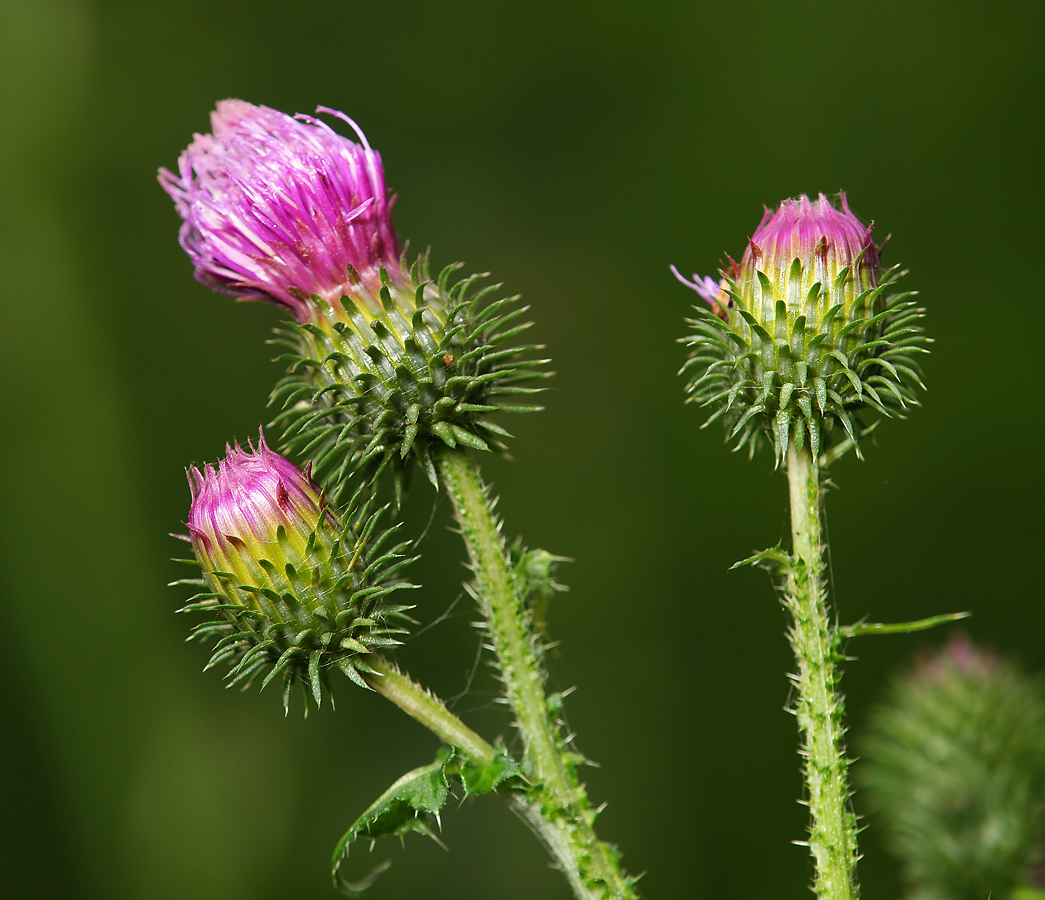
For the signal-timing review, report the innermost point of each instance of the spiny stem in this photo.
(523, 679)
(819, 708)
(556, 838)
(562, 818)
(427, 709)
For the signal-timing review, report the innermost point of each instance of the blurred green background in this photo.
(574, 149)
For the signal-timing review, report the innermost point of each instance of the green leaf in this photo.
(413, 802)
(772, 558)
(861, 628)
(481, 779)
(410, 804)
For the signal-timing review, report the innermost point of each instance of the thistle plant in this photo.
(955, 771)
(801, 343)
(388, 370)
(805, 343)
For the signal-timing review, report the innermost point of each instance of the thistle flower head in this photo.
(955, 767)
(294, 590)
(383, 360)
(281, 209)
(800, 336)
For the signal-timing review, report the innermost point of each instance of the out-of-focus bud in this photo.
(383, 359)
(955, 766)
(801, 335)
(296, 592)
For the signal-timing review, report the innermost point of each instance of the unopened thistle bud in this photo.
(802, 335)
(383, 360)
(955, 766)
(295, 590)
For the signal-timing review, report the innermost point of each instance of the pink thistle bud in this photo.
(955, 766)
(295, 591)
(801, 336)
(959, 658)
(281, 208)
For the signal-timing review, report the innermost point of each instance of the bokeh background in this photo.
(574, 149)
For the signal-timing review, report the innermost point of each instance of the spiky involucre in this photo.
(807, 377)
(374, 380)
(955, 768)
(302, 613)
(805, 337)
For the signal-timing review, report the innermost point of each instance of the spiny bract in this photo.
(376, 377)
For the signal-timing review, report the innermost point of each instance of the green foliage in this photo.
(369, 394)
(329, 607)
(810, 371)
(956, 771)
(412, 804)
(863, 627)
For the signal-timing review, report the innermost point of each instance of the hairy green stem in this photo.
(427, 709)
(819, 707)
(557, 840)
(557, 808)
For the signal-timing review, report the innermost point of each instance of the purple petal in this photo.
(707, 287)
(246, 498)
(278, 207)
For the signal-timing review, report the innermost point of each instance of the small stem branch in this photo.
(562, 818)
(430, 711)
(427, 709)
(819, 707)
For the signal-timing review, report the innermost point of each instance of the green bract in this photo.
(375, 378)
(806, 335)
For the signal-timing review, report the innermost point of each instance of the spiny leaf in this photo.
(410, 804)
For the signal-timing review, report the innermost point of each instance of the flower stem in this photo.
(819, 707)
(427, 709)
(558, 809)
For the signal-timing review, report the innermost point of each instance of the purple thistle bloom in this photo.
(707, 287)
(280, 208)
(238, 506)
